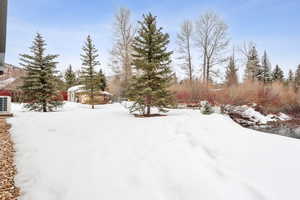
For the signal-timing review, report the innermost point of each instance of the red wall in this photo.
(5, 93)
(65, 95)
(9, 93)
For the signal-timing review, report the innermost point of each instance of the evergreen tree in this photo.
(290, 77)
(102, 80)
(70, 77)
(206, 108)
(59, 82)
(231, 73)
(89, 76)
(253, 69)
(290, 81)
(265, 74)
(149, 88)
(297, 78)
(39, 87)
(278, 74)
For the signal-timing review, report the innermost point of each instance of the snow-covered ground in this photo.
(107, 154)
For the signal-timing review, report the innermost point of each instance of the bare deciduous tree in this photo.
(184, 38)
(121, 51)
(212, 39)
(246, 49)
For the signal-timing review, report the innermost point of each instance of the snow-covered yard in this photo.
(107, 154)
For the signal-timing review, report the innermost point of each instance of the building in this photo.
(5, 105)
(80, 95)
(3, 22)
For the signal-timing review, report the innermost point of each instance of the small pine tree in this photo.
(89, 76)
(39, 85)
(102, 80)
(265, 74)
(149, 88)
(231, 73)
(70, 77)
(206, 108)
(277, 74)
(253, 69)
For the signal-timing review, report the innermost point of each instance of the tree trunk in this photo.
(44, 106)
(204, 66)
(207, 71)
(148, 110)
(190, 61)
(92, 99)
(148, 105)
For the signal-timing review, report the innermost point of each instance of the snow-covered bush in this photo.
(206, 108)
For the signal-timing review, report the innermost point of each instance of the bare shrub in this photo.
(269, 98)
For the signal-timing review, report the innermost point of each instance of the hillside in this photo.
(11, 79)
(106, 153)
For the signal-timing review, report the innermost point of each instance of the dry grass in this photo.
(271, 98)
(8, 190)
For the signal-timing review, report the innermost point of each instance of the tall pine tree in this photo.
(253, 69)
(264, 72)
(149, 88)
(277, 74)
(70, 77)
(89, 76)
(231, 72)
(39, 86)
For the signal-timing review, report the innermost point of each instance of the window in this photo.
(3, 104)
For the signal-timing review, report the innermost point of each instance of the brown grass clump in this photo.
(8, 190)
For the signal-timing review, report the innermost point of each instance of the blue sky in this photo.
(274, 25)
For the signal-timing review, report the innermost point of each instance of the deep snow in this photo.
(107, 154)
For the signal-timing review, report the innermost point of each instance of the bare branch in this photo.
(121, 58)
(184, 48)
(212, 40)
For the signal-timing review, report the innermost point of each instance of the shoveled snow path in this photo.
(107, 154)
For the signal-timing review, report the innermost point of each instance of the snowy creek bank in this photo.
(250, 117)
(289, 128)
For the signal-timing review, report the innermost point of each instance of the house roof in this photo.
(106, 93)
(75, 88)
(80, 88)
